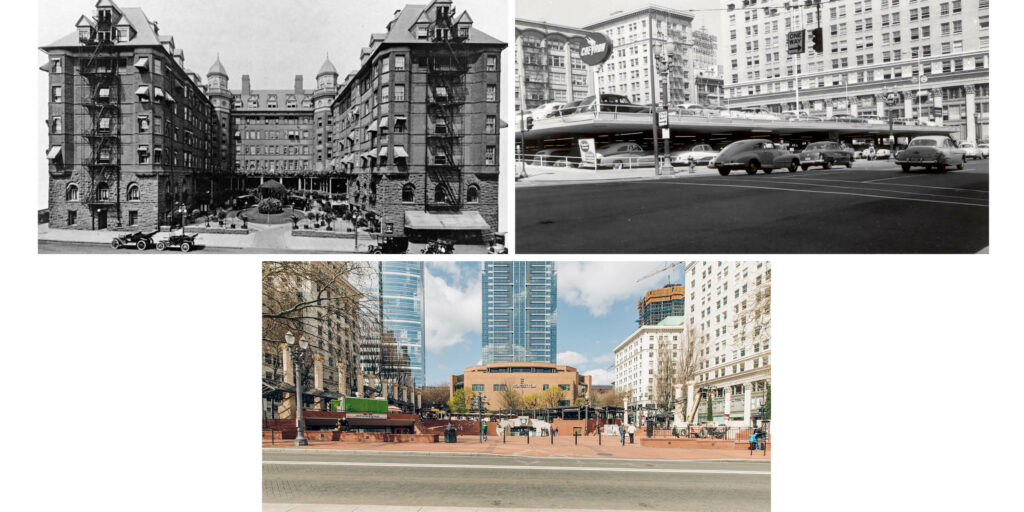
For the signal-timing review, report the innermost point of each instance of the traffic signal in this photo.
(529, 123)
(818, 40)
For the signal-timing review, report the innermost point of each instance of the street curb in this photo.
(452, 454)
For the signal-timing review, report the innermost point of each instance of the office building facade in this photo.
(640, 359)
(401, 303)
(548, 64)
(519, 312)
(416, 128)
(871, 48)
(491, 380)
(660, 303)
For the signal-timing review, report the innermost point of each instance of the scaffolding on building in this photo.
(446, 76)
(100, 71)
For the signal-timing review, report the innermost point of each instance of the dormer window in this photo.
(254, 102)
(441, 34)
(272, 101)
(442, 11)
(290, 102)
(84, 34)
(238, 102)
(421, 32)
(104, 36)
(122, 34)
(105, 15)
(307, 103)
(464, 32)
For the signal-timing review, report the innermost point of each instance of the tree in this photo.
(551, 397)
(611, 398)
(461, 401)
(710, 417)
(435, 396)
(510, 398)
(768, 401)
(531, 401)
(582, 401)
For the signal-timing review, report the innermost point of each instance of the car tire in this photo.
(906, 167)
(768, 170)
(805, 167)
(723, 172)
(141, 245)
(960, 166)
(753, 166)
(186, 246)
(377, 251)
(161, 246)
(827, 165)
(849, 164)
(617, 165)
(793, 165)
(115, 243)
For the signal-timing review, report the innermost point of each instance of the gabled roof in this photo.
(402, 31)
(144, 34)
(85, 21)
(108, 3)
(464, 18)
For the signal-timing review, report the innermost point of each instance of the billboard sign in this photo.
(588, 153)
(597, 50)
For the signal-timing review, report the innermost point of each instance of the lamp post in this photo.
(298, 353)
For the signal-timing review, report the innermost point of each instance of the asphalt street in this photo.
(514, 482)
(50, 247)
(859, 210)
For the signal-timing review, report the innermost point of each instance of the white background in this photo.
(131, 382)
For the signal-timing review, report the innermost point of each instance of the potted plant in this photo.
(295, 221)
(245, 221)
(221, 215)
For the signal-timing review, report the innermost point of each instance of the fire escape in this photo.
(103, 190)
(446, 75)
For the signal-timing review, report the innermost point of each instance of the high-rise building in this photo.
(870, 48)
(728, 311)
(627, 71)
(660, 303)
(401, 298)
(706, 68)
(548, 64)
(416, 128)
(133, 136)
(646, 361)
(519, 312)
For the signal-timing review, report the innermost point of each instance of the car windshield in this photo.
(924, 142)
(617, 100)
(817, 145)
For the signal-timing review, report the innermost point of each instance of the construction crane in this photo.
(666, 268)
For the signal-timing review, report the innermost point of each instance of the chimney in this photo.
(298, 84)
(245, 85)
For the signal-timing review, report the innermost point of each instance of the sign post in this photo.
(588, 153)
(890, 99)
(796, 41)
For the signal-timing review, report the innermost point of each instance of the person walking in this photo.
(485, 430)
(753, 441)
(632, 432)
(622, 434)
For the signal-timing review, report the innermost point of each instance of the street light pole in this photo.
(297, 354)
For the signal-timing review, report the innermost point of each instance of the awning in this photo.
(462, 221)
(53, 152)
(143, 148)
(369, 154)
(383, 153)
(347, 159)
(170, 99)
(400, 152)
(351, 136)
(399, 118)
(383, 123)
(158, 92)
(503, 123)
(142, 63)
(373, 422)
(142, 90)
(372, 127)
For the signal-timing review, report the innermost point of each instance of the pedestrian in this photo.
(556, 431)
(632, 432)
(760, 438)
(622, 434)
(693, 167)
(485, 430)
(753, 441)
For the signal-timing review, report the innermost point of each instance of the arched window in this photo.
(408, 193)
(72, 193)
(103, 192)
(133, 192)
(439, 194)
(473, 194)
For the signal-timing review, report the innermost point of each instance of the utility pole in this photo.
(654, 86)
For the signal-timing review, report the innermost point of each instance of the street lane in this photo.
(495, 481)
(817, 211)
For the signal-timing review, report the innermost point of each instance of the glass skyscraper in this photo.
(401, 300)
(519, 318)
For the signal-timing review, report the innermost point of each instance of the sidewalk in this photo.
(540, 174)
(539, 447)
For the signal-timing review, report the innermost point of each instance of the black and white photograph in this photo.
(709, 126)
(338, 127)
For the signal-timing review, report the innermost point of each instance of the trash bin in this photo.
(449, 434)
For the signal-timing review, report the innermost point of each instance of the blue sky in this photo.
(596, 311)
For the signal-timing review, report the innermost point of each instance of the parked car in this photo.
(620, 154)
(983, 148)
(701, 154)
(826, 154)
(931, 152)
(558, 157)
(882, 154)
(866, 152)
(611, 103)
(568, 109)
(544, 111)
(183, 242)
(390, 245)
(138, 240)
(970, 150)
(752, 155)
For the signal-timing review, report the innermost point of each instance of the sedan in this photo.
(546, 110)
(556, 157)
(970, 150)
(931, 151)
(624, 154)
(983, 148)
(701, 154)
(825, 154)
(753, 154)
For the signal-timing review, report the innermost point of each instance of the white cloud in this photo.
(598, 285)
(571, 358)
(600, 376)
(604, 358)
(452, 311)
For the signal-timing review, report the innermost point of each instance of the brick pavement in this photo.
(539, 447)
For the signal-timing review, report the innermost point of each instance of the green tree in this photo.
(530, 401)
(581, 401)
(550, 397)
(709, 407)
(768, 401)
(460, 401)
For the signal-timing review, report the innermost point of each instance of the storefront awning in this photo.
(346, 159)
(462, 221)
(369, 155)
(53, 152)
(400, 152)
(372, 127)
(383, 123)
(351, 136)
(169, 98)
(383, 153)
(142, 63)
(158, 92)
(142, 90)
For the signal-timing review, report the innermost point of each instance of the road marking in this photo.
(783, 180)
(829, 192)
(896, 184)
(514, 468)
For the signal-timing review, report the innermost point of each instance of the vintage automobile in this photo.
(138, 240)
(701, 154)
(983, 148)
(931, 152)
(611, 103)
(390, 245)
(544, 111)
(623, 154)
(439, 246)
(752, 155)
(183, 242)
(826, 154)
(970, 150)
(558, 157)
(568, 109)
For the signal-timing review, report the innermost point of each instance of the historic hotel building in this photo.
(133, 137)
(416, 128)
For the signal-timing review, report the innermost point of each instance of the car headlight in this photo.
(598, 156)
